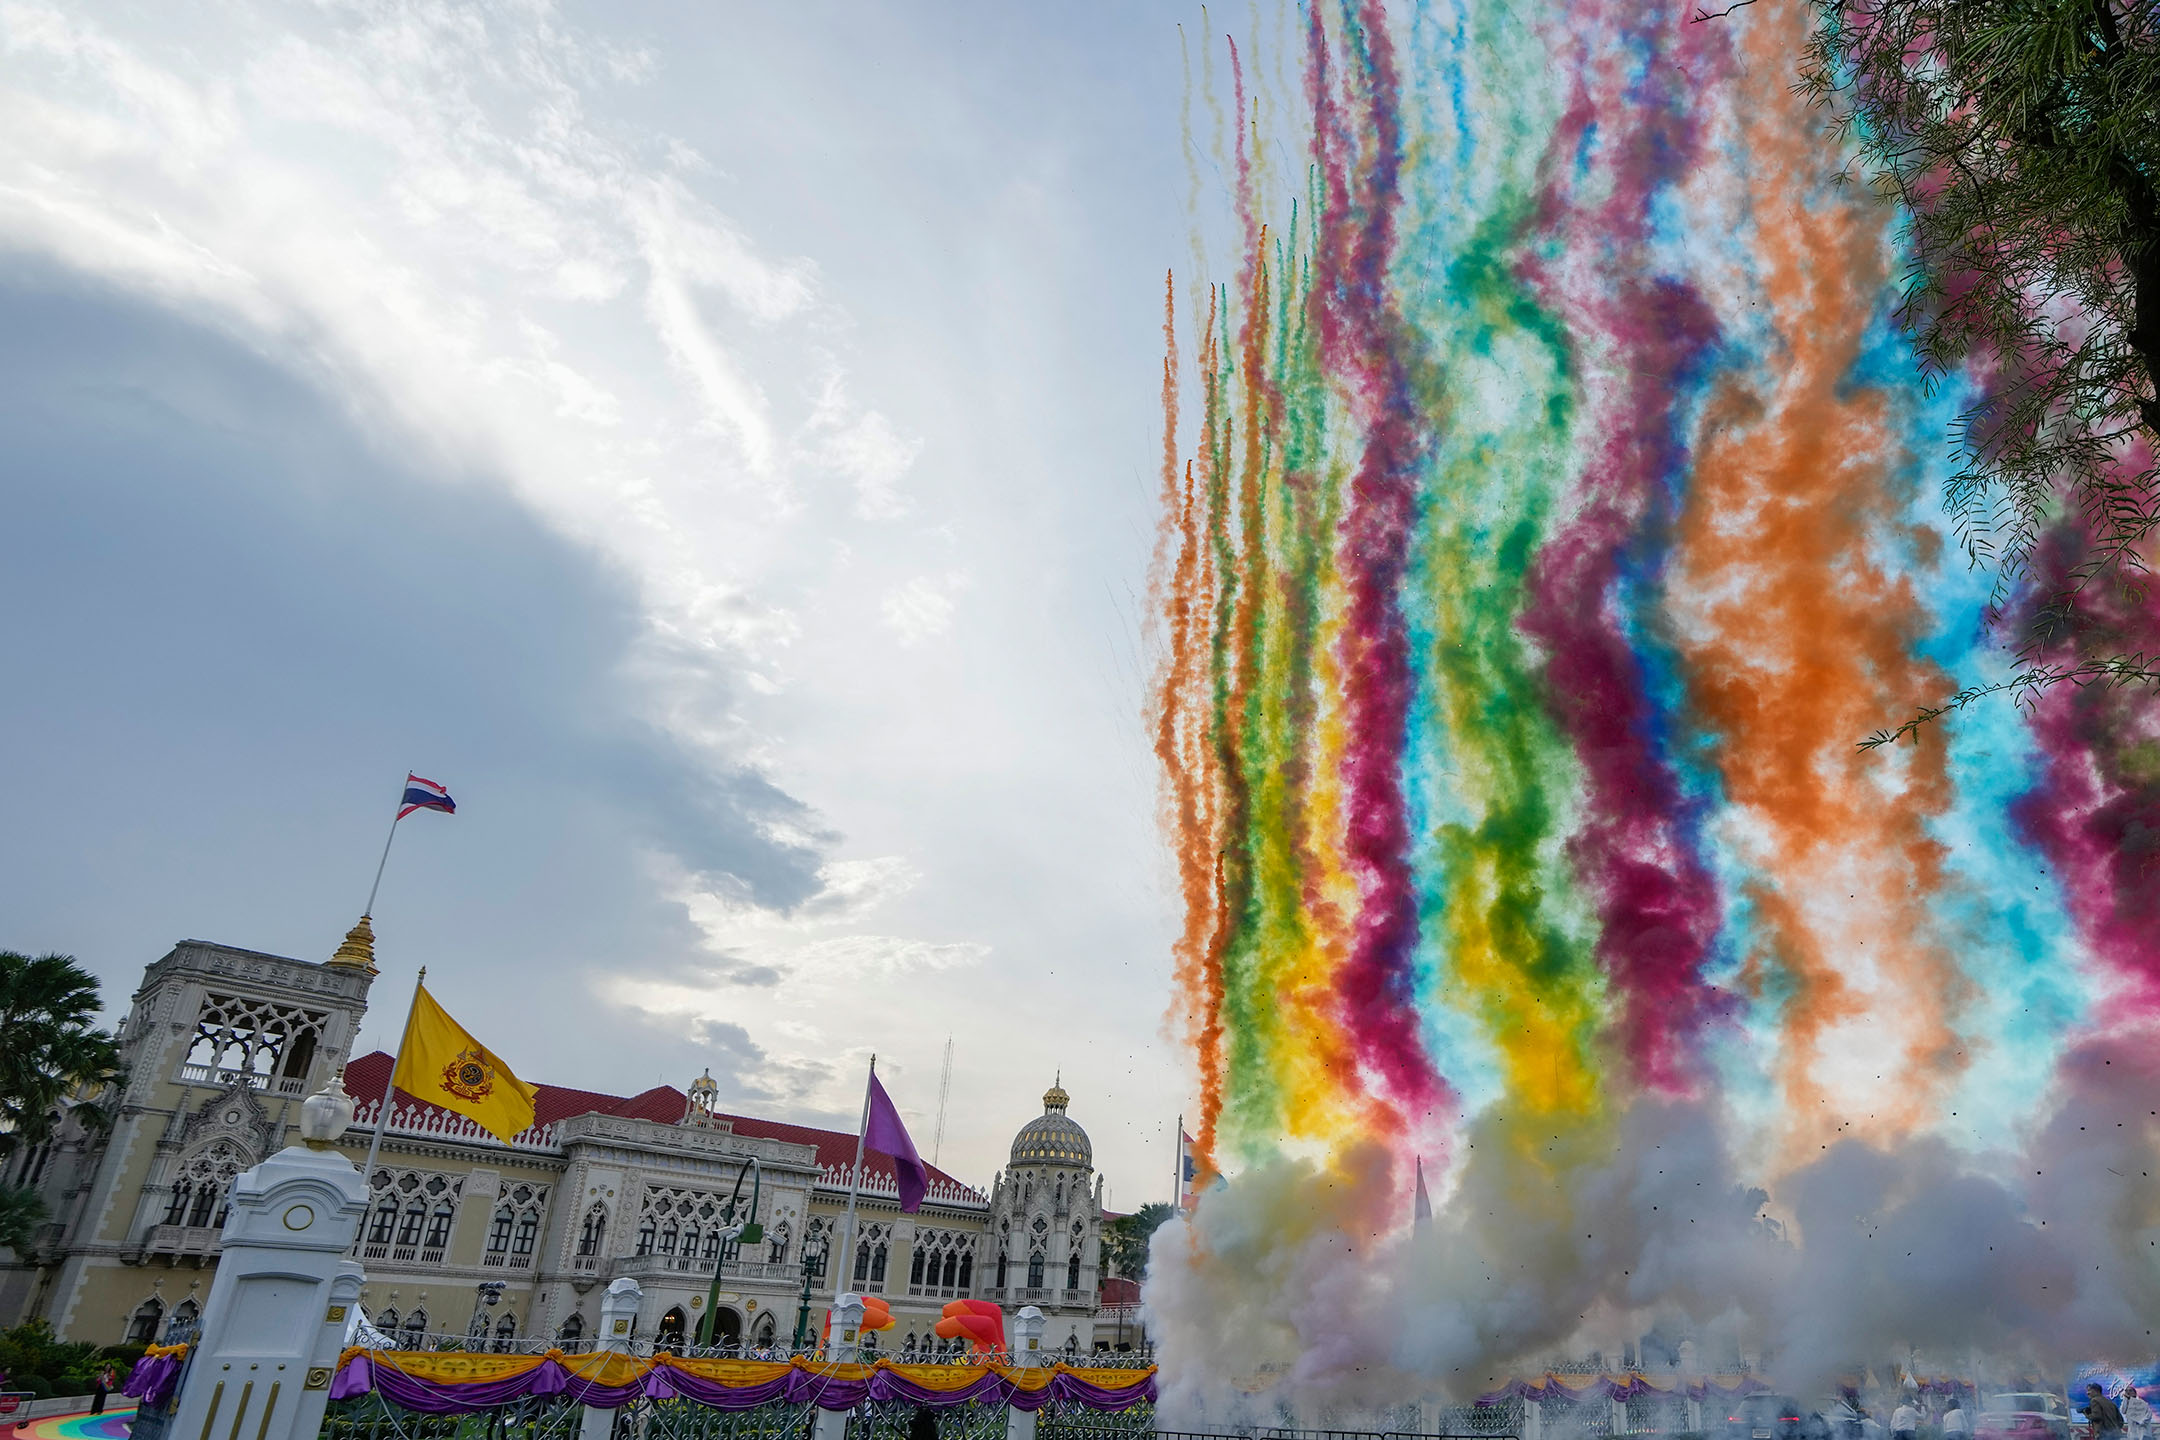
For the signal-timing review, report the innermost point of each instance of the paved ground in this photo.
(112, 1425)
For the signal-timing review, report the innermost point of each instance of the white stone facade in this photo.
(221, 1045)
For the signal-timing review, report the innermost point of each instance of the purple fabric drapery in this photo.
(798, 1386)
(152, 1380)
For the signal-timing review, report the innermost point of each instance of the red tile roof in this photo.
(366, 1075)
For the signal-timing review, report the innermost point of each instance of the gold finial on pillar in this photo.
(358, 951)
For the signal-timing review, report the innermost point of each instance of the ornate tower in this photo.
(219, 1047)
(1046, 1225)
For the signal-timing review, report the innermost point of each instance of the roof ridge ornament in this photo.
(358, 951)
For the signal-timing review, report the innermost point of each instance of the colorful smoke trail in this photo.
(1549, 506)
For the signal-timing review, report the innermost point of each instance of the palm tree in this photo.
(50, 1049)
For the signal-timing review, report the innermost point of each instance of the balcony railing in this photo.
(218, 1075)
(504, 1260)
(655, 1266)
(1041, 1295)
(183, 1239)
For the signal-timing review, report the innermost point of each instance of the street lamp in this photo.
(814, 1248)
(489, 1296)
(749, 1232)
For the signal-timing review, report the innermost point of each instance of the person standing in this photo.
(1954, 1422)
(2137, 1413)
(100, 1387)
(2106, 1418)
(1905, 1421)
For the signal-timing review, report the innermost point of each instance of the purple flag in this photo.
(886, 1133)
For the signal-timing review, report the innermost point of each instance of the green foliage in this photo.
(37, 1361)
(52, 1050)
(1125, 1239)
(21, 1212)
(2022, 137)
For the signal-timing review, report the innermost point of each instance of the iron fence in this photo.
(370, 1417)
(677, 1419)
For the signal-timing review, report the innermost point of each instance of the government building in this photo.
(465, 1234)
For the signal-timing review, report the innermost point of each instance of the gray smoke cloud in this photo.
(1302, 1284)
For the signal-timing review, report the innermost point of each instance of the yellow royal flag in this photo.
(443, 1065)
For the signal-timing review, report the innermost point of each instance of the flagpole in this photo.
(389, 1094)
(1177, 1166)
(847, 1234)
(385, 857)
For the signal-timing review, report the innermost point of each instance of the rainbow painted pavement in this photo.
(112, 1425)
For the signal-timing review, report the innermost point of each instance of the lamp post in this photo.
(750, 1232)
(813, 1269)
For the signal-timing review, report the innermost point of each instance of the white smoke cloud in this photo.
(1300, 1280)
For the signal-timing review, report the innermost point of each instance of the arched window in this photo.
(1060, 1202)
(1001, 1270)
(385, 1221)
(528, 1229)
(573, 1329)
(672, 1326)
(690, 1239)
(1072, 1272)
(668, 1237)
(877, 1264)
(952, 1268)
(767, 1330)
(142, 1325)
(415, 1328)
(438, 1230)
(205, 1196)
(967, 1269)
(387, 1322)
(779, 1245)
(646, 1232)
(415, 1217)
(862, 1264)
(1035, 1270)
(712, 1243)
(595, 1226)
(499, 1231)
(914, 1270)
(505, 1331)
(176, 1208)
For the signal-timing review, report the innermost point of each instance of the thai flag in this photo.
(425, 795)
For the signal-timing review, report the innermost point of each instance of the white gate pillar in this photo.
(1027, 1333)
(261, 1366)
(618, 1326)
(843, 1347)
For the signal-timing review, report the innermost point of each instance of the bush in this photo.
(37, 1385)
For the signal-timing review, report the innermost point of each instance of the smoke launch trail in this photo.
(1549, 506)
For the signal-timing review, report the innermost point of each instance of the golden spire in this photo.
(1055, 1097)
(358, 951)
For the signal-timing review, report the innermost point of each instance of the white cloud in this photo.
(922, 609)
(806, 977)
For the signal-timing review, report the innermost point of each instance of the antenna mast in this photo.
(944, 1091)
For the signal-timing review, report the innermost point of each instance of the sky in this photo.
(716, 442)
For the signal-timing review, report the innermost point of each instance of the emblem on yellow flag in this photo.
(444, 1065)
